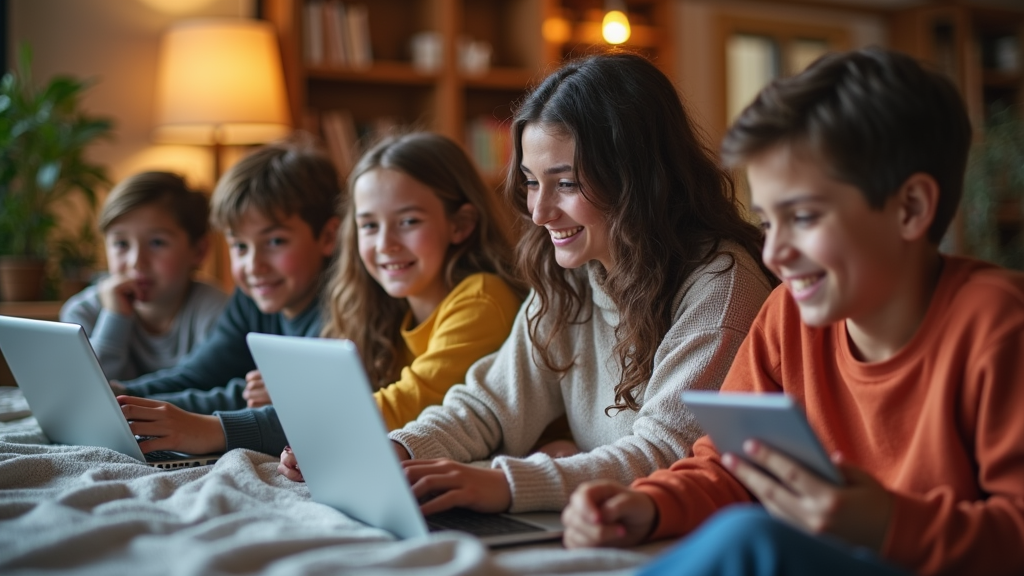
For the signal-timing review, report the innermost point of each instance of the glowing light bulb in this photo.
(615, 27)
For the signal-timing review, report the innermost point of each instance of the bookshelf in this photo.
(978, 47)
(469, 104)
(392, 89)
(981, 48)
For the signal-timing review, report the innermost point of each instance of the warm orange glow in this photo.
(615, 27)
(177, 6)
(556, 30)
(220, 80)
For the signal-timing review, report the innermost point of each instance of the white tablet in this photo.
(731, 418)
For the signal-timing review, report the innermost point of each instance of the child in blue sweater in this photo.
(277, 208)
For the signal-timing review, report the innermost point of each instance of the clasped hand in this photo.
(255, 393)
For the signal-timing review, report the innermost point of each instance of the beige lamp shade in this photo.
(219, 81)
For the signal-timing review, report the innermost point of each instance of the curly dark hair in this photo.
(669, 205)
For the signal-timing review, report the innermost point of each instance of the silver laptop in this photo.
(324, 401)
(57, 371)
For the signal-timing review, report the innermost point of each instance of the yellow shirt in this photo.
(470, 323)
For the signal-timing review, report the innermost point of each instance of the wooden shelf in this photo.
(650, 29)
(502, 79)
(391, 90)
(640, 36)
(449, 100)
(43, 310)
(381, 72)
(1001, 79)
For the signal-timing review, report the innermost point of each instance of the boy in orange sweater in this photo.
(909, 363)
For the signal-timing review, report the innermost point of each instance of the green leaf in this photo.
(43, 137)
(47, 176)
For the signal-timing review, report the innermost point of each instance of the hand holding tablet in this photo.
(773, 419)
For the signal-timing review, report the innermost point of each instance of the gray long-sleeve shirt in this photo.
(125, 349)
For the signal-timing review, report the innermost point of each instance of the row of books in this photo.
(344, 138)
(336, 34)
(489, 144)
(487, 139)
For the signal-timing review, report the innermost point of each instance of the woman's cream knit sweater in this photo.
(510, 397)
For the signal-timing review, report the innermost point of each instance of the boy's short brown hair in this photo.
(874, 116)
(280, 179)
(170, 191)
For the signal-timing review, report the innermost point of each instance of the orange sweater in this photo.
(940, 424)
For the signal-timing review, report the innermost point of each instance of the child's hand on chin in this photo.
(289, 466)
(117, 294)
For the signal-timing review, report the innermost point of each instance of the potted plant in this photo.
(43, 137)
(994, 192)
(76, 257)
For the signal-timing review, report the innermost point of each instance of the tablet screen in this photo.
(731, 418)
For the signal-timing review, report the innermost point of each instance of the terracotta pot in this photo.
(71, 286)
(22, 278)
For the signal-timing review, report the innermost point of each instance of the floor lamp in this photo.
(219, 83)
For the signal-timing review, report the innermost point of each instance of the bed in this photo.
(87, 510)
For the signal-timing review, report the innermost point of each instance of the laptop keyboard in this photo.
(476, 523)
(162, 456)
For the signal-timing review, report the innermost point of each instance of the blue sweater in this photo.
(211, 379)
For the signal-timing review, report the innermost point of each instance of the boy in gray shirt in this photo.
(149, 312)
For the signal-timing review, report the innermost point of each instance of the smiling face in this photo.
(149, 246)
(404, 235)
(554, 198)
(839, 258)
(278, 262)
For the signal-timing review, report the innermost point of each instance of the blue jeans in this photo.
(747, 541)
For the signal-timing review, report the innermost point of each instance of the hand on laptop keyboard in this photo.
(457, 485)
(164, 426)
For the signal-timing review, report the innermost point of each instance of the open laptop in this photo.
(325, 404)
(57, 371)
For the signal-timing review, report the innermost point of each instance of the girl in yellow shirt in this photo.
(422, 284)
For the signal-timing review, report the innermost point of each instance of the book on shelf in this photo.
(337, 34)
(341, 138)
(345, 139)
(313, 32)
(361, 53)
(489, 144)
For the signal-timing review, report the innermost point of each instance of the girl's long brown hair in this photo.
(669, 206)
(358, 308)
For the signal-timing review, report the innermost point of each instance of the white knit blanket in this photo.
(90, 510)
